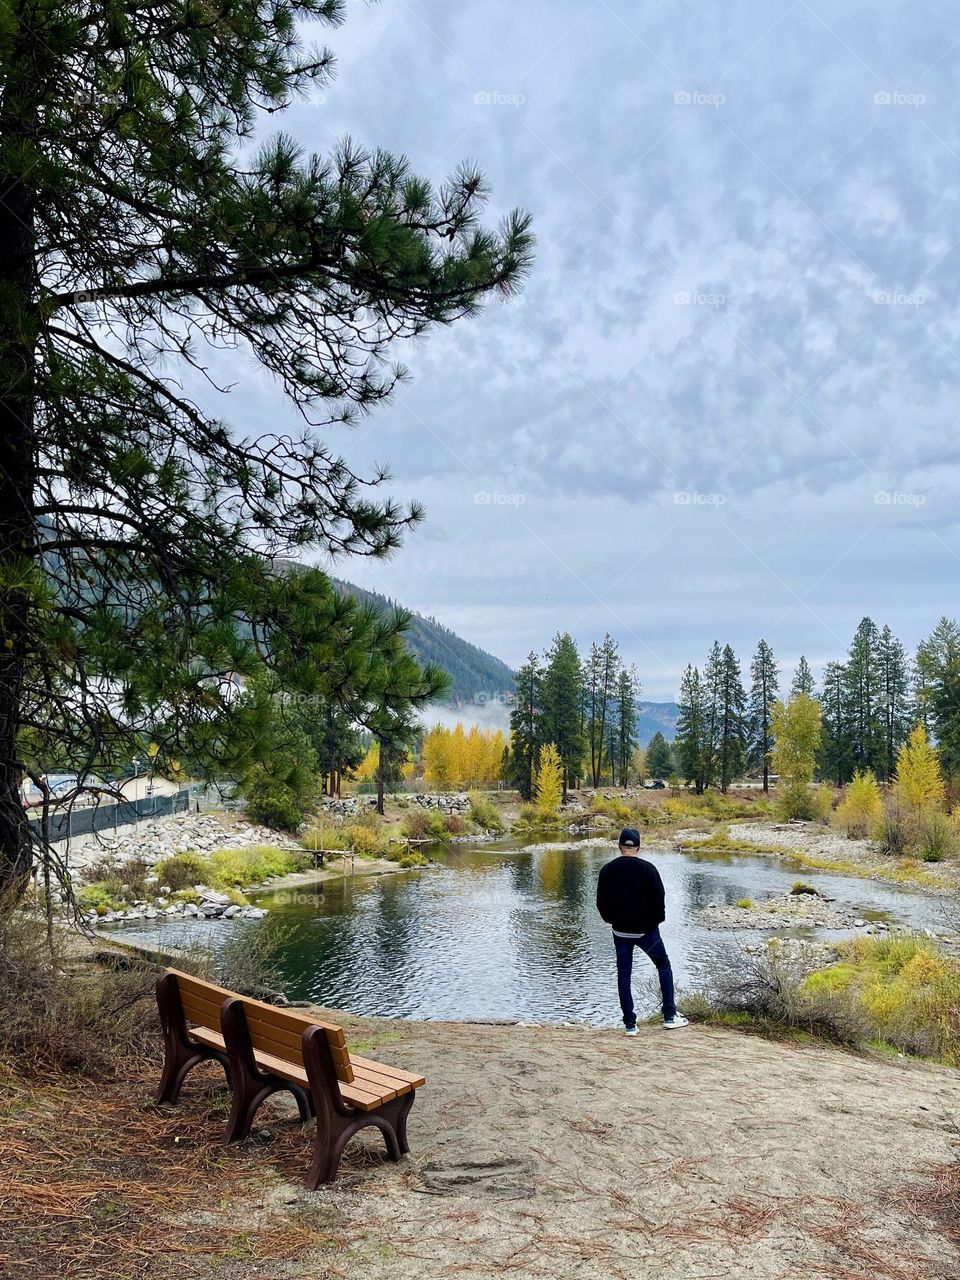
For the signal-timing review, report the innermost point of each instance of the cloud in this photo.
(747, 285)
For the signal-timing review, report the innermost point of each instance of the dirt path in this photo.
(568, 1152)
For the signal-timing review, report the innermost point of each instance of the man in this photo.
(630, 899)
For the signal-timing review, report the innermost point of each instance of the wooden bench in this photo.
(265, 1049)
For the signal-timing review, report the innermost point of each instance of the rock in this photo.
(231, 911)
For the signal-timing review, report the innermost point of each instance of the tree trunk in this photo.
(18, 534)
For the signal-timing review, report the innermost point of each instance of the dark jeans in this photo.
(652, 944)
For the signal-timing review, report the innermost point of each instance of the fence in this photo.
(76, 821)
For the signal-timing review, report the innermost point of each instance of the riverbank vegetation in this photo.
(899, 994)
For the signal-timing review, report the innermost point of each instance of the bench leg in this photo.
(177, 1064)
(333, 1134)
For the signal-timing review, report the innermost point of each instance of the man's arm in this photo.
(602, 897)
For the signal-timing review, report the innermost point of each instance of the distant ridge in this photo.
(475, 675)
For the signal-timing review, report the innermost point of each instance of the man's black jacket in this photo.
(630, 895)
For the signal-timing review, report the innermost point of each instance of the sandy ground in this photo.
(573, 1152)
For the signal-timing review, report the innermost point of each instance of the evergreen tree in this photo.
(137, 224)
(628, 691)
(603, 673)
(836, 753)
(897, 707)
(561, 697)
(524, 728)
(732, 732)
(802, 678)
(691, 742)
(763, 692)
(864, 693)
(713, 692)
(938, 685)
(659, 757)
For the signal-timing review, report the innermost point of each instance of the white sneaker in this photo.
(678, 1020)
(631, 1031)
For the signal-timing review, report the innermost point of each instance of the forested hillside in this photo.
(475, 676)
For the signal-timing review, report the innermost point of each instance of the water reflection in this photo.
(503, 933)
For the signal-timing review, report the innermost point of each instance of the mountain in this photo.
(475, 676)
(657, 717)
(479, 679)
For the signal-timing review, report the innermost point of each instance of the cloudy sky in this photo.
(726, 404)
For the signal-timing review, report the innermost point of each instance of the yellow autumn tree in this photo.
(860, 811)
(549, 788)
(918, 783)
(366, 771)
(457, 758)
(796, 730)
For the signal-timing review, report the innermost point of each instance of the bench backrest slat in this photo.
(280, 1032)
(272, 1030)
(201, 1000)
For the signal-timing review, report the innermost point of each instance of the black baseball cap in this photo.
(629, 838)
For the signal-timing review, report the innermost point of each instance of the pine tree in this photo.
(938, 690)
(732, 734)
(603, 673)
(138, 224)
(763, 692)
(691, 742)
(524, 727)
(561, 697)
(713, 692)
(802, 678)
(628, 692)
(836, 753)
(659, 757)
(897, 709)
(865, 698)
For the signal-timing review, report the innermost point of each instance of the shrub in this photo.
(182, 871)
(798, 800)
(56, 1016)
(100, 897)
(937, 836)
(364, 841)
(275, 804)
(486, 814)
(228, 867)
(416, 825)
(860, 810)
(437, 826)
(800, 886)
(745, 903)
(318, 838)
(892, 832)
(455, 824)
(413, 860)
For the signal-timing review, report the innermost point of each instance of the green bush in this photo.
(486, 814)
(182, 871)
(100, 896)
(937, 837)
(437, 826)
(275, 804)
(800, 886)
(800, 801)
(745, 903)
(228, 867)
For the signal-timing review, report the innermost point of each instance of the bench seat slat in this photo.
(363, 1096)
(394, 1073)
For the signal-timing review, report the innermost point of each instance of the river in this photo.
(494, 931)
